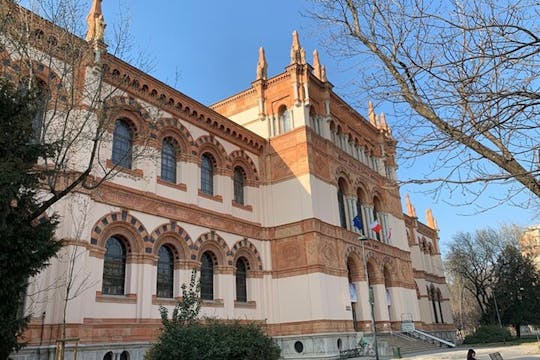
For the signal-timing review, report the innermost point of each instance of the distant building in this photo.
(259, 192)
(530, 243)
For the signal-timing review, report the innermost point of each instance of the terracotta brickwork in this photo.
(310, 163)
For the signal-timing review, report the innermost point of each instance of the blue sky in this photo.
(208, 50)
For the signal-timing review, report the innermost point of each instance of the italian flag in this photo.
(375, 226)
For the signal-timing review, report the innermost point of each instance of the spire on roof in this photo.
(411, 211)
(316, 64)
(261, 65)
(371, 113)
(96, 23)
(430, 220)
(298, 54)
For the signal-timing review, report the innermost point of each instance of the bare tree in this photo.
(462, 77)
(71, 76)
(471, 263)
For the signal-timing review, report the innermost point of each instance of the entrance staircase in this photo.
(409, 344)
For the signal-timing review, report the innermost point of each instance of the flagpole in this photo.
(363, 239)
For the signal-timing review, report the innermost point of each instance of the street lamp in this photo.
(363, 239)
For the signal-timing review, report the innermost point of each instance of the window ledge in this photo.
(212, 303)
(133, 172)
(243, 207)
(245, 305)
(217, 198)
(165, 301)
(122, 299)
(181, 187)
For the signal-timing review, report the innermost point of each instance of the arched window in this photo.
(239, 177)
(433, 300)
(42, 99)
(439, 298)
(207, 277)
(284, 119)
(341, 203)
(108, 356)
(165, 273)
(114, 267)
(168, 160)
(241, 286)
(124, 355)
(359, 212)
(122, 144)
(207, 174)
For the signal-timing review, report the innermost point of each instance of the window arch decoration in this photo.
(245, 248)
(209, 144)
(354, 265)
(128, 108)
(213, 242)
(176, 237)
(439, 299)
(172, 127)
(241, 158)
(123, 224)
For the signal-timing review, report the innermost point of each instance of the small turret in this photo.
(317, 65)
(430, 220)
(95, 33)
(261, 65)
(298, 54)
(371, 114)
(411, 211)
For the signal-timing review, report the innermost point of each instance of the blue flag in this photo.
(357, 223)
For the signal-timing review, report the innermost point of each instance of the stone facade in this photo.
(309, 163)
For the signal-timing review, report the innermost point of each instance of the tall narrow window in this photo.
(241, 286)
(359, 212)
(432, 292)
(239, 177)
(341, 204)
(207, 174)
(440, 307)
(284, 119)
(207, 277)
(165, 273)
(168, 160)
(114, 267)
(122, 144)
(376, 218)
(42, 100)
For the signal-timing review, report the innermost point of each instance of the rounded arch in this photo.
(388, 270)
(245, 248)
(209, 144)
(125, 225)
(174, 236)
(375, 274)
(172, 127)
(355, 268)
(378, 201)
(361, 192)
(211, 241)
(121, 107)
(240, 158)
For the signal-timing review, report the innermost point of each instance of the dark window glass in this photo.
(241, 287)
(122, 144)
(207, 277)
(114, 267)
(239, 185)
(359, 213)
(124, 355)
(42, 100)
(341, 206)
(108, 356)
(168, 160)
(376, 217)
(165, 273)
(207, 175)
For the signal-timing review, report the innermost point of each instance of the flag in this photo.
(357, 223)
(375, 226)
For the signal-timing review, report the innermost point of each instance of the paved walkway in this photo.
(517, 352)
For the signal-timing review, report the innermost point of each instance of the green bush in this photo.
(213, 340)
(488, 334)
